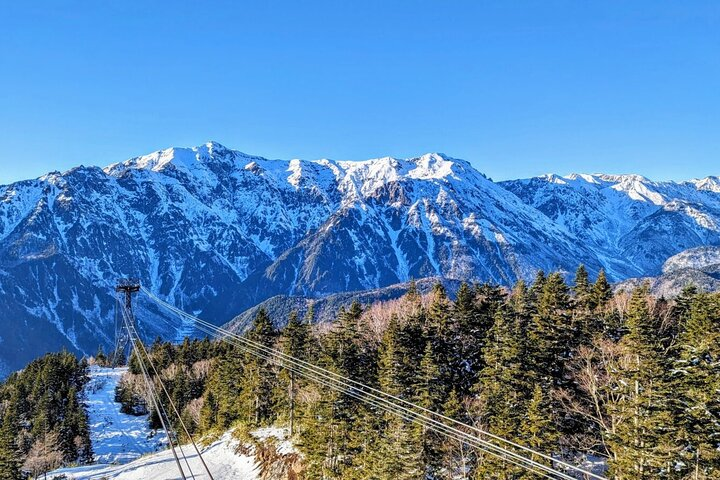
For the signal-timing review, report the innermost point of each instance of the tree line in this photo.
(43, 420)
(573, 370)
(570, 370)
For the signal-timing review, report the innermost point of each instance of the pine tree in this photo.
(209, 412)
(550, 332)
(344, 352)
(539, 431)
(258, 380)
(224, 384)
(9, 452)
(456, 456)
(585, 320)
(537, 286)
(412, 294)
(696, 383)
(602, 291)
(582, 288)
(442, 331)
(640, 443)
(502, 390)
(294, 341)
(100, 357)
(473, 313)
(310, 314)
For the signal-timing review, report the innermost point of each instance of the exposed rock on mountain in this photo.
(216, 231)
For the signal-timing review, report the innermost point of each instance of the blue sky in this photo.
(518, 88)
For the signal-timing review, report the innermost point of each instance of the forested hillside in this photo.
(43, 421)
(573, 371)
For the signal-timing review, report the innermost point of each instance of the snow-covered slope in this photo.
(698, 266)
(633, 224)
(700, 258)
(220, 457)
(216, 231)
(125, 448)
(115, 436)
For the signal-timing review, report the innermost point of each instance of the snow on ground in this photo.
(279, 435)
(126, 449)
(220, 457)
(116, 437)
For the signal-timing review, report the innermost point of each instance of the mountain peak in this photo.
(186, 158)
(711, 183)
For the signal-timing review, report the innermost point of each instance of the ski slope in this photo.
(220, 457)
(126, 449)
(115, 436)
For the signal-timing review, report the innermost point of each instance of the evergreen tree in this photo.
(9, 452)
(550, 332)
(442, 332)
(695, 399)
(582, 289)
(294, 341)
(258, 379)
(640, 443)
(473, 313)
(537, 286)
(602, 291)
(502, 391)
(100, 357)
(539, 431)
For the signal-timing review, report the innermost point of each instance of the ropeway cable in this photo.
(489, 447)
(390, 408)
(151, 391)
(159, 407)
(483, 445)
(384, 407)
(174, 408)
(281, 358)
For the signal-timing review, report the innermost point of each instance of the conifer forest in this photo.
(575, 371)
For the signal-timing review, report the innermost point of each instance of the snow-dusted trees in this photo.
(44, 455)
(43, 422)
(568, 370)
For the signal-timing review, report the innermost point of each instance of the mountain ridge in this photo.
(216, 231)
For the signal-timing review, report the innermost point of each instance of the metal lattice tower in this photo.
(125, 288)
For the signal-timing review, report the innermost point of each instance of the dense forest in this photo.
(569, 370)
(43, 420)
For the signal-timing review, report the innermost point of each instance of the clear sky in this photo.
(519, 88)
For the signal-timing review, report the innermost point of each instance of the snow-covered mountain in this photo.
(216, 231)
(631, 223)
(698, 266)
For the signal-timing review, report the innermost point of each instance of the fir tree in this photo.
(550, 331)
(9, 452)
(258, 379)
(696, 384)
(502, 390)
(473, 314)
(602, 291)
(294, 341)
(639, 443)
(539, 431)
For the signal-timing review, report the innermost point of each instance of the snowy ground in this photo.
(126, 449)
(116, 437)
(220, 457)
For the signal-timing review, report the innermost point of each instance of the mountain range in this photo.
(215, 231)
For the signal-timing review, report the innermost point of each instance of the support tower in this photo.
(124, 317)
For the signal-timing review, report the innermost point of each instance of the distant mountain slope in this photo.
(325, 308)
(699, 267)
(633, 224)
(216, 231)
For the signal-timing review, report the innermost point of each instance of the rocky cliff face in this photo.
(216, 231)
